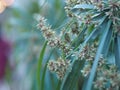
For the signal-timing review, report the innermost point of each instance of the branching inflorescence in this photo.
(59, 67)
(81, 38)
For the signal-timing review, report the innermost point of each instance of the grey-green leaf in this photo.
(107, 42)
(99, 51)
(83, 6)
(117, 51)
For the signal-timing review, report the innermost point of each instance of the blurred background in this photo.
(21, 42)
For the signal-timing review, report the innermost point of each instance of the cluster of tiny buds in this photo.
(108, 78)
(60, 67)
(68, 11)
(73, 2)
(74, 28)
(88, 53)
(113, 14)
(98, 4)
(86, 70)
(107, 75)
(46, 29)
(61, 45)
(51, 37)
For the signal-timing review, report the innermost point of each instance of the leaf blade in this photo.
(99, 51)
(117, 51)
(44, 71)
(83, 6)
(71, 77)
(40, 65)
(107, 43)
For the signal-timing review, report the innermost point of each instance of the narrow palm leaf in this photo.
(39, 66)
(99, 51)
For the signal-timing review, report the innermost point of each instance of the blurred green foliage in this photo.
(27, 41)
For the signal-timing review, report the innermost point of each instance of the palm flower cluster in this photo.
(59, 67)
(90, 40)
(90, 8)
(88, 52)
(107, 75)
(51, 37)
(46, 29)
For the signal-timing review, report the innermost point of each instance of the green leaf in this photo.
(71, 78)
(117, 51)
(90, 29)
(39, 66)
(99, 51)
(44, 72)
(58, 86)
(107, 42)
(43, 76)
